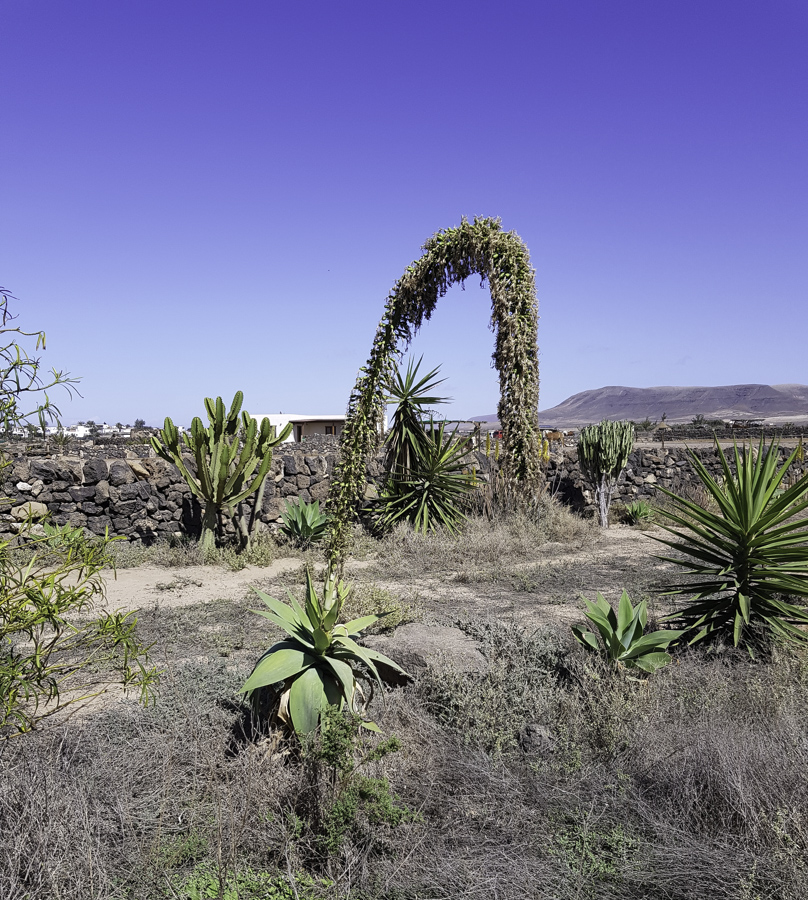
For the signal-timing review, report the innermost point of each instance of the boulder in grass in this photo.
(415, 646)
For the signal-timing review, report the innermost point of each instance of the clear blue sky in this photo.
(199, 196)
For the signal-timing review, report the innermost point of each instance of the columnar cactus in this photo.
(233, 457)
(603, 451)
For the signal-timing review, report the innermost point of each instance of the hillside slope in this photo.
(774, 403)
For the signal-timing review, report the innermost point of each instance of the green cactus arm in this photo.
(199, 440)
(219, 470)
(248, 445)
(169, 450)
(233, 414)
(280, 438)
(253, 486)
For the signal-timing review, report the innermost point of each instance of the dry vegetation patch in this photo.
(543, 776)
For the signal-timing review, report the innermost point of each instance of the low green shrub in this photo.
(207, 882)
(638, 511)
(339, 801)
(57, 647)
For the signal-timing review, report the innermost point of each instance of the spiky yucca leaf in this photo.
(746, 559)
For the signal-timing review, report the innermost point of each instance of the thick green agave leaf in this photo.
(278, 666)
(355, 626)
(586, 637)
(309, 695)
(650, 662)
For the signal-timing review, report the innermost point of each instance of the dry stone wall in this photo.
(146, 498)
(647, 470)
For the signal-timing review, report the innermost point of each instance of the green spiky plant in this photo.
(303, 523)
(450, 257)
(233, 456)
(745, 560)
(638, 511)
(428, 494)
(603, 452)
(317, 663)
(406, 436)
(622, 640)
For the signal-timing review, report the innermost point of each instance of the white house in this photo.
(304, 426)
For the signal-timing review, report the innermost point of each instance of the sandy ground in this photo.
(148, 586)
(542, 591)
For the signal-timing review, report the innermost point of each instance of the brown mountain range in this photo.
(775, 404)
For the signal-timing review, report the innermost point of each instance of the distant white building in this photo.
(304, 426)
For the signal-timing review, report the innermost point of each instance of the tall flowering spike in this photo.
(480, 247)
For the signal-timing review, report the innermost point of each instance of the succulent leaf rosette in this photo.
(319, 663)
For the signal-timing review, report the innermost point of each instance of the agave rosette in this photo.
(303, 522)
(317, 663)
(622, 638)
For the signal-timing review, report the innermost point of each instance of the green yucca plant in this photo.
(622, 641)
(412, 397)
(303, 522)
(745, 560)
(316, 664)
(428, 495)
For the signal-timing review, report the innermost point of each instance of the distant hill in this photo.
(774, 403)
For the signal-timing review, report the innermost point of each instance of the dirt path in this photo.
(147, 586)
(544, 591)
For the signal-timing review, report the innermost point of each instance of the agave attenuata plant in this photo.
(622, 641)
(747, 560)
(319, 663)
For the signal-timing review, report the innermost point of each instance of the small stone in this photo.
(95, 470)
(102, 492)
(120, 474)
(139, 469)
(23, 487)
(31, 509)
(534, 738)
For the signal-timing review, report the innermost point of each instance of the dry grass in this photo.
(692, 784)
(183, 552)
(483, 545)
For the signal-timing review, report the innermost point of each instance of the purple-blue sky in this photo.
(199, 196)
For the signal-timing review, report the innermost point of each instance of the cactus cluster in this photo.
(232, 457)
(603, 451)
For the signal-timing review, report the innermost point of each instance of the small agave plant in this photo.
(303, 523)
(317, 663)
(622, 641)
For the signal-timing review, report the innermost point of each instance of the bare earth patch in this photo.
(542, 590)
